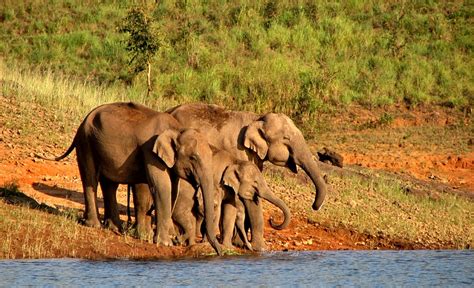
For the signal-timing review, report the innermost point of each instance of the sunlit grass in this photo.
(380, 206)
(68, 98)
(41, 235)
(28, 231)
(299, 57)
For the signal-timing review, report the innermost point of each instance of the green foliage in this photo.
(76, 38)
(296, 57)
(143, 41)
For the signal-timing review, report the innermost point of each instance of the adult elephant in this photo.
(128, 143)
(258, 138)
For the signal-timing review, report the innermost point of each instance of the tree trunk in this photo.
(148, 77)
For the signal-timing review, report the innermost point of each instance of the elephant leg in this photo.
(229, 213)
(183, 214)
(111, 214)
(159, 178)
(188, 224)
(218, 210)
(89, 178)
(255, 213)
(240, 223)
(200, 230)
(142, 202)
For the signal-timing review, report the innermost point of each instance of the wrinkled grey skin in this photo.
(257, 138)
(238, 183)
(127, 143)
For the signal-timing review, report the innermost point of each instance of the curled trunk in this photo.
(270, 197)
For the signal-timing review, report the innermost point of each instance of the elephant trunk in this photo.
(311, 168)
(270, 197)
(207, 187)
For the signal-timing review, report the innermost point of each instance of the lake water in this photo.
(425, 268)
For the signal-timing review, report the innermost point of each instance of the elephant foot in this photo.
(163, 242)
(92, 223)
(184, 240)
(144, 233)
(246, 244)
(146, 236)
(109, 224)
(238, 242)
(258, 247)
(227, 245)
(179, 240)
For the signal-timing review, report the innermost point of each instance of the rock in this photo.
(329, 156)
(47, 178)
(308, 242)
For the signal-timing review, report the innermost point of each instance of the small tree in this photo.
(143, 42)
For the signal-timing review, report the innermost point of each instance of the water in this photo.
(296, 269)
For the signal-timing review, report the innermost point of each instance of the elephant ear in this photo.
(165, 146)
(230, 178)
(253, 139)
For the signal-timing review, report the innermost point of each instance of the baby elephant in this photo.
(238, 183)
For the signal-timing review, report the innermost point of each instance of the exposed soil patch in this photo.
(429, 143)
(456, 170)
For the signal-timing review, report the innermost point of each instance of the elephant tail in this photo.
(69, 150)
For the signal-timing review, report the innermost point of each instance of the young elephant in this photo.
(257, 138)
(127, 143)
(238, 183)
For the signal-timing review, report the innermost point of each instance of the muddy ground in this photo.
(363, 137)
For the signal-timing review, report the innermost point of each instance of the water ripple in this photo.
(296, 269)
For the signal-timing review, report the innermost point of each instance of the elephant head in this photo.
(188, 153)
(274, 137)
(248, 183)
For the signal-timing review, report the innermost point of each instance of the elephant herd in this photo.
(195, 163)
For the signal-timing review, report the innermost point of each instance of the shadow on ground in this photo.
(70, 195)
(11, 195)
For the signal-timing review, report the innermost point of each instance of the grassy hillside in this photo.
(297, 57)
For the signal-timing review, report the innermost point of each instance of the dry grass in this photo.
(30, 232)
(380, 206)
(70, 99)
(41, 235)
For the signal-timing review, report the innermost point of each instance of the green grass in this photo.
(297, 57)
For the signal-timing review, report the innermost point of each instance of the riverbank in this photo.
(400, 189)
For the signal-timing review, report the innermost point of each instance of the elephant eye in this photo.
(194, 157)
